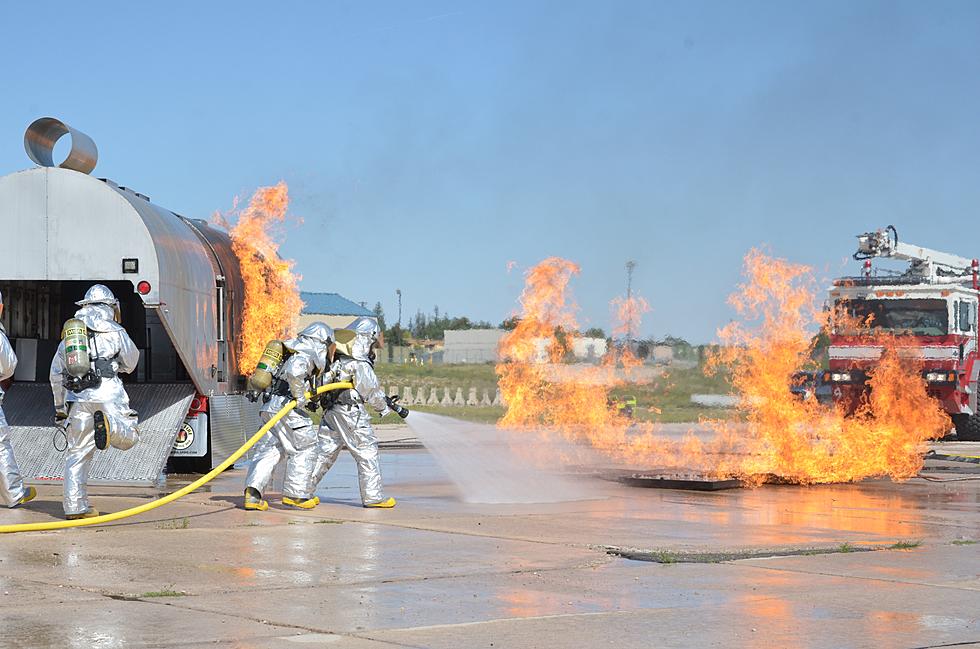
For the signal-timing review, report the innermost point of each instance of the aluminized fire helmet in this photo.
(100, 294)
(323, 335)
(366, 327)
(318, 331)
(368, 336)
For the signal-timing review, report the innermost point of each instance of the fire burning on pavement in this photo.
(777, 435)
(272, 301)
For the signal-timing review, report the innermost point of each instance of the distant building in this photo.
(330, 308)
(588, 349)
(662, 354)
(472, 345)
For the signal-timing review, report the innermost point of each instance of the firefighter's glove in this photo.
(313, 405)
(252, 396)
(400, 410)
(60, 417)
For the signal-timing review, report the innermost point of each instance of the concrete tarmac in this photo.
(874, 564)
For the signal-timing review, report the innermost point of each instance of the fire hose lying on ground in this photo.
(180, 493)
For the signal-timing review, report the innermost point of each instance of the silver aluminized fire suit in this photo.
(107, 340)
(294, 434)
(11, 483)
(347, 424)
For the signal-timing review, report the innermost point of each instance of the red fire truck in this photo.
(931, 308)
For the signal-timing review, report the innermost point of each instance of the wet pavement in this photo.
(875, 564)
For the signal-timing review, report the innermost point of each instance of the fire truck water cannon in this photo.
(928, 311)
(923, 262)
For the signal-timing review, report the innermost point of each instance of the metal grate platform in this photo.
(666, 480)
(162, 409)
(233, 420)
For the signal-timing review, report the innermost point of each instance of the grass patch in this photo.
(670, 394)
(480, 376)
(965, 542)
(666, 556)
(667, 399)
(174, 524)
(904, 545)
(468, 413)
(166, 592)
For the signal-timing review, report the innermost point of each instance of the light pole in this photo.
(401, 353)
(630, 266)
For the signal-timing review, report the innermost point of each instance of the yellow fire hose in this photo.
(160, 502)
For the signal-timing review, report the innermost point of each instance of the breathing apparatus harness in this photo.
(101, 369)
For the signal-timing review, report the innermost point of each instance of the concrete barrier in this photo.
(715, 400)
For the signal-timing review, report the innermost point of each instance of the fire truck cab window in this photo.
(966, 316)
(916, 317)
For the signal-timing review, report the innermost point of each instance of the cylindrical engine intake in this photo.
(43, 133)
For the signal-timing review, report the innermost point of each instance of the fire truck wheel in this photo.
(967, 427)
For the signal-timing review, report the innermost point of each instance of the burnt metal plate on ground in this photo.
(679, 481)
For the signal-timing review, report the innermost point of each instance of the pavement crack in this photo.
(279, 625)
(683, 556)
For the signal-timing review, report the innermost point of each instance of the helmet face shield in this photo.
(379, 342)
(116, 312)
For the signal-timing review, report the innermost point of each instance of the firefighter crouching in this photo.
(90, 401)
(294, 435)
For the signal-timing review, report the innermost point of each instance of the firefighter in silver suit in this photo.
(346, 422)
(294, 435)
(94, 411)
(12, 489)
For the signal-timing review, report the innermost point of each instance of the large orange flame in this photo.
(800, 440)
(537, 392)
(779, 435)
(272, 303)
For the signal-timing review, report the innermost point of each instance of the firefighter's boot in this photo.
(101, 430)
(91, 513)
(29, 494)
(309, 503)
(384, 504)
(253, 500)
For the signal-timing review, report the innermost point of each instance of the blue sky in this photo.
(426, 144)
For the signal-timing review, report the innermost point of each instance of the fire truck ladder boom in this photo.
(923, 262)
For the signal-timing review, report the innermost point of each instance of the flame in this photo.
(546, 396)
(627, 312)
(779, 434)
(272, 303)
(802, 441)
